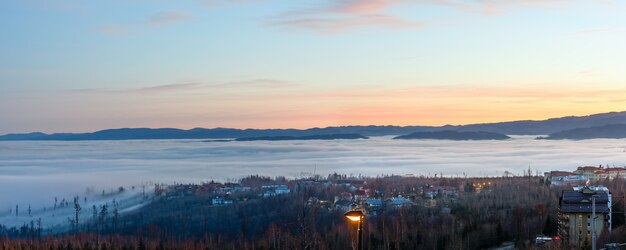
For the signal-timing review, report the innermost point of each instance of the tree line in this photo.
(512, 209)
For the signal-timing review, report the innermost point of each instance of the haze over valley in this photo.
(37, 171)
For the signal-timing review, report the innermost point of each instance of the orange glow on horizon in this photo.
(306, 108)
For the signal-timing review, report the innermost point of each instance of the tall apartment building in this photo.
(575, 210)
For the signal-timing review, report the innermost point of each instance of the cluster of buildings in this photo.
(219, 193)
(576, 223)
(583, 174)
(375, 201)
(577, 206)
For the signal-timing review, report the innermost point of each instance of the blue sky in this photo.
(82, 66)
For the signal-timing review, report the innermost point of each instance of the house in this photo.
(374, 206)
(575, 210)
(558, 178)
(612, 173)
(433, 192)
(343, 196)
(221, 201)
(399, 201)
(373, 203)
(361, 194)
(597, 173)
(273, 190)
(343, 205)
(590, 172)
(281, 189)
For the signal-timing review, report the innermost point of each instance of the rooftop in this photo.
(561, 173)
(579, 201)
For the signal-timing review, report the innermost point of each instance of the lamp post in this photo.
(593, 222)
(594, 235)
(356, 216)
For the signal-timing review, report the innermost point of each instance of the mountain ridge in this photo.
(522, 127)
(614, 131)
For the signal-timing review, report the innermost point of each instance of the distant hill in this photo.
(29, 136)
(308, 137)
(454, 135)
(543, 127)
(615, 131)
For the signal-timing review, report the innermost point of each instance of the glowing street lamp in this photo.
(357, 216)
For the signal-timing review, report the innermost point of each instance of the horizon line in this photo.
(319, 127)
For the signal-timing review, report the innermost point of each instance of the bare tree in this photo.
(102, 216)
(77, 209)
(39, 228)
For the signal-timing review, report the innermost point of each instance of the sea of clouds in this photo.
(34, 172)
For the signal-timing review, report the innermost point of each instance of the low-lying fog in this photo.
(34, 172)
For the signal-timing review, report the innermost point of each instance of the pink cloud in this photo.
(344, 16)
(490, 7)
(338, 25)
(364, 6)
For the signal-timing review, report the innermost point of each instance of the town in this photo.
(528, 211)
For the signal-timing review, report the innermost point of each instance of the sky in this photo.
(79, 66)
